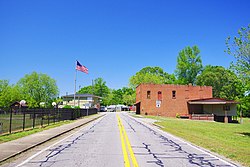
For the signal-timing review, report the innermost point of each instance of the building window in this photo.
(173, 94)
(148, 94)
(159, 95)
(226, 108)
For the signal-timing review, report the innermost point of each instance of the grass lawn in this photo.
(229, 140)
(16, 135)
(17, 122)
(13, 136)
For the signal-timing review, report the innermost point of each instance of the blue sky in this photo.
(113, 38)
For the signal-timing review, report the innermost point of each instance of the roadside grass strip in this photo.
(126, 145)
(229, 140)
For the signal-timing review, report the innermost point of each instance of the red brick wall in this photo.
(169, 106)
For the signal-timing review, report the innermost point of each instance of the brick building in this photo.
(185, 100)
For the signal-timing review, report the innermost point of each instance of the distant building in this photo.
(81, 100)
(17, 105)
(220, 108)
(182, 100)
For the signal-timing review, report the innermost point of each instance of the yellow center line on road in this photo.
(124, 150)
(123, 135)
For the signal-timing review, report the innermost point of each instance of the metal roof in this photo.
(80, 95)
(212, 101)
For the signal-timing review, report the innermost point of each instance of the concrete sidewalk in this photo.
(15, 147)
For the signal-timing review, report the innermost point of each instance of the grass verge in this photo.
(229, 140)
(17, 135)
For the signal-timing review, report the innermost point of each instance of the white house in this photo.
(81, 100)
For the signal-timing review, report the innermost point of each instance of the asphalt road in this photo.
(117, 140)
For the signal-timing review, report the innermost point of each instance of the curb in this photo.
(48, 139)
(159, 126)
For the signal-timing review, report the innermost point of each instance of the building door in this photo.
(138, 108)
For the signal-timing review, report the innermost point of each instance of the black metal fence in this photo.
(22, 119)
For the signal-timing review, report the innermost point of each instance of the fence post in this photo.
(58, 115)
(72, 114)
(10, 119)
(48, 116)
(54, 115)
(42, 119)
(34, 118)
(1, 127)
(23, 119)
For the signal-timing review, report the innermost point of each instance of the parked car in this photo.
(111, 108)
(103, 109)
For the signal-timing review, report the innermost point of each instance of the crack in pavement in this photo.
(56, 151)
(193, 158)
(158, 161)
(129, 125)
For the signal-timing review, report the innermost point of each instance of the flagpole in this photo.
(75, 90)
(81, 68)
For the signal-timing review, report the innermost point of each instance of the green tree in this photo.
(38, 88)
(124, 96)
(108, 99)
(86, 90)
(117, 97)
(8, 94)
(224, 82)
(4, 90)
(155, 75)
(245, 106)
(239, 47)
(128, 96)
(189, 65)
(99, 88)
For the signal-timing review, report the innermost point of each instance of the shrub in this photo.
(67, 106)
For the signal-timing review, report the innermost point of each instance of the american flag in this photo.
(81, 68)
